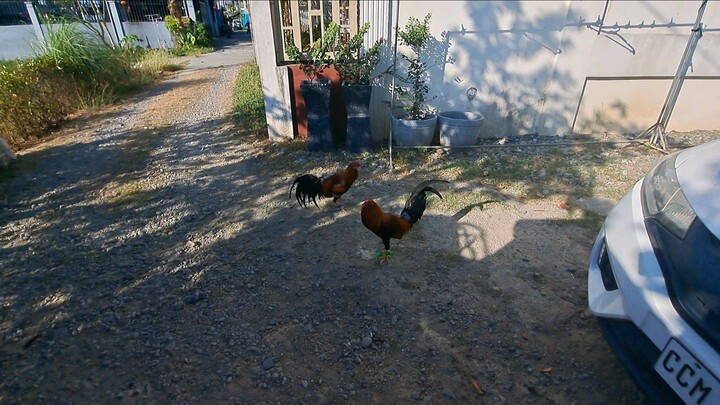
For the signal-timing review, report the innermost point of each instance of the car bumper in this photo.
(641, 300)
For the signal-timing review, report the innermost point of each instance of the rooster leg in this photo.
(384, 255)
(336, 200)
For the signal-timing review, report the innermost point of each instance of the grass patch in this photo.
(248, 103)
(552, 172)
(457, 202)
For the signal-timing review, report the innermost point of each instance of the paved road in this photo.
(230, 52)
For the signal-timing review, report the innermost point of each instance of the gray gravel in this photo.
(149, 254)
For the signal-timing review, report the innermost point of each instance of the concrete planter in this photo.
(408, 132)
(459, 128)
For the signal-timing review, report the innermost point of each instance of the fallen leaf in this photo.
(524, 335)
(476, 386)
(546, 370)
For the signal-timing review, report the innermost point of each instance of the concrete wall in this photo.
(275, 79)
(530, 60)
(151, 33)
(16, 42)
(547, 67)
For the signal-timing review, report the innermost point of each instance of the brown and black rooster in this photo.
(309, 186)
(388, 226)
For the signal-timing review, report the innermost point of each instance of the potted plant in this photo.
(315, 90)
(355, 68)
(416, 126)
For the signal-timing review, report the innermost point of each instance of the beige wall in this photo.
(529, 61)
(540, 66)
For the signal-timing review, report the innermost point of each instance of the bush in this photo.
(188, 36)
(34, 96)
(72, 71)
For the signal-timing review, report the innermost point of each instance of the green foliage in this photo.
(318, 58)
(188, 35)
(130, 48)
(33, 97)
(352, 64)
(72, 71)
(248, 102)
(416, 35)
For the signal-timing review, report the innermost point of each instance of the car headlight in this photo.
(664, 200)
(687, 252)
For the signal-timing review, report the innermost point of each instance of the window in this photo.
(304, 21)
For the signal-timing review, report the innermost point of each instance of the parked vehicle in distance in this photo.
(654, 278)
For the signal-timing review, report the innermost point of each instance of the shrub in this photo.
(188, 36)
(34, 96)
(72, 71)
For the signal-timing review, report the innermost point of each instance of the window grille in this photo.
(304, 21)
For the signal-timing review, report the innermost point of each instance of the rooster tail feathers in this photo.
(308, 188)
(416, 203)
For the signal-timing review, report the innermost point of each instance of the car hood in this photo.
(698, 172)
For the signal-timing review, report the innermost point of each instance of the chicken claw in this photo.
(384, 255)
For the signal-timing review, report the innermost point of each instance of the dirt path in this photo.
(151, 255)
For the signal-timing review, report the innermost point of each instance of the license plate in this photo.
(687, 376)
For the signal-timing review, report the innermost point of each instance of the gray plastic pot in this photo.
(413, 132)
(459, 128)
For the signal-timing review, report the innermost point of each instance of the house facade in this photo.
(535, 67)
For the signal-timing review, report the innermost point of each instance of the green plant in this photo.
(416, 35)
(248, 102)
(188, 35)
(315, 61)
(354, 65)
(33, 97)
(72, 70)
(130, 48)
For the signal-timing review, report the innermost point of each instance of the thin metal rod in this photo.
(392, 87)
(509, 145)
(657, 130)
(602, 20)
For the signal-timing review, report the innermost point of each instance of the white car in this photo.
(654, 278)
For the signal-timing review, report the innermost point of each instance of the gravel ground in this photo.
(150, 254)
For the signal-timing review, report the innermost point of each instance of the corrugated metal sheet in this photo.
(381, 16)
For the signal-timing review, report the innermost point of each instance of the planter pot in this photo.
(316, 94)
(357, 106)
(458, 128)
(299, 110)
(413, 132)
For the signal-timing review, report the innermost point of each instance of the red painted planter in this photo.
(337, 107)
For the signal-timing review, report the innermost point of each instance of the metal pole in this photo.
(392, 87)
(657, 130)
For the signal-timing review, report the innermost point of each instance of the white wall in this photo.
(275, 79)
(540, 66)
(529, 61)
(16, 42)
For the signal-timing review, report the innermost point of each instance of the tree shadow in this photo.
(126, 279)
